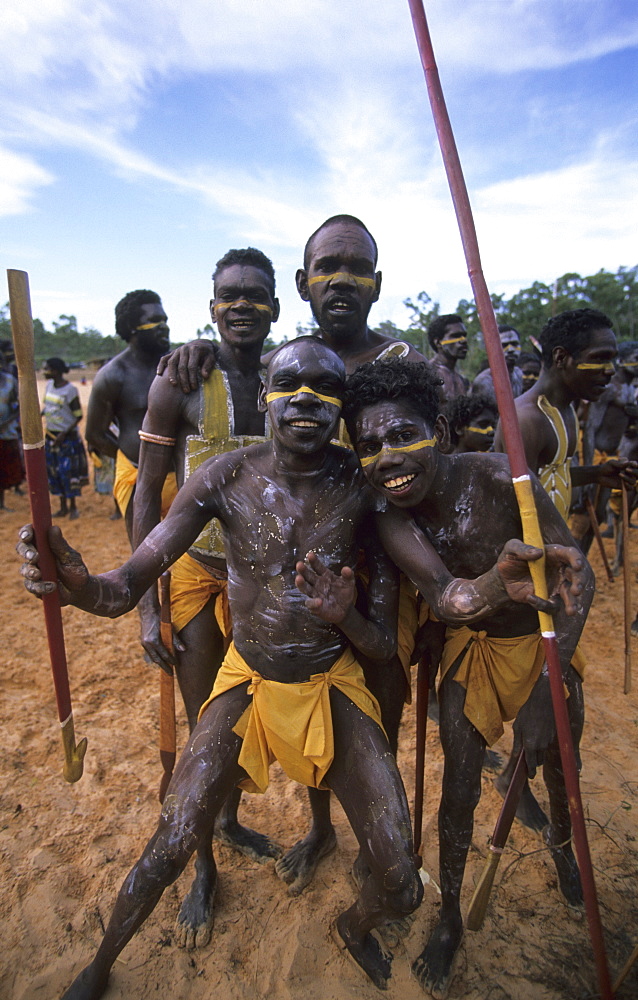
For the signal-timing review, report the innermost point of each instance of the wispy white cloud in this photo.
(20, 179)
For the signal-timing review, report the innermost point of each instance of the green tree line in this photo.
(615, 294)
(65, 340)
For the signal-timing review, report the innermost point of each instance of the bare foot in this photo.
(568, 874)
(634, 624)
(60, 513)
(299, 864)
(74, 514)
(392, 932)
(253, 845)
(528, 812)
(88, 985)
(434, 968)
(367, 953)
(194, 924)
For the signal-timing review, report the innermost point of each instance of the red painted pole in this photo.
(520, 474)
(35, 464)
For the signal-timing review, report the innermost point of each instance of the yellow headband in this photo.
(429, 443)
(151, 326)
(270, 396)
(454, 340)
(480, 430)
(368, 282)
(606, 366)
(243, 302)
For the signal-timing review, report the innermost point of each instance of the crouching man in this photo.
(494, 670)
(296, 512)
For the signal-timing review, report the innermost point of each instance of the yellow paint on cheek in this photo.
(605, 366)
(415, 446)
(366, 282)
(304, 388)
(151, 326)
(454, 340)
(224, 306)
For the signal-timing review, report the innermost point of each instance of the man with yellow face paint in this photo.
(578, 353)
(120, 393)
(448, 340)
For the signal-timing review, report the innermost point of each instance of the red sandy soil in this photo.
(65, 849)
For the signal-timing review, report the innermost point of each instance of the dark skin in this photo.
(243, 309)
(479, 433)
(445, 360)
(468, 506)
(610, 414)
(512, 349)
(344, 254)
(120, 391)
(293, 496)
(563, 383)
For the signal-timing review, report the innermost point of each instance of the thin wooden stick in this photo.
(626, 969)
(167, 737)
(591, 510)
(38, 486)
(478, 905)
(520, 477)
(626, 572)
(422, 698)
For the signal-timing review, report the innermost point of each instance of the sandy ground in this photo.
(64, 849)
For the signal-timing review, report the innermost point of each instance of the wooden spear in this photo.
(38, 486)
(593, 520)
(626, 570)
(422, 698)
(167, 737)
(520, 476)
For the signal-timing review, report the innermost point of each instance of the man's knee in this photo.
(403, 888)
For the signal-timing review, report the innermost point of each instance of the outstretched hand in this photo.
(565, 568)
(72, 573)
(616, 471)
(187, 363)
(328, 596)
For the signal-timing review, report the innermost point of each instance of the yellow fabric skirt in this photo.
(192, 586)
(291, 723)
(125, 479)
(498, 674)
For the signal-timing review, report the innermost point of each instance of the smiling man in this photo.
(296, 513)
(120, 393)
(492, 671)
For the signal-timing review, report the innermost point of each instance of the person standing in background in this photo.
(64, 450)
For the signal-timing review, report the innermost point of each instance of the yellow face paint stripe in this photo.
(242, 302)
(607, 366)
(454, 340)
(480, 430)
(366, 282)
(628, 364)
(270, 396)
(151, 326)
(416, 446)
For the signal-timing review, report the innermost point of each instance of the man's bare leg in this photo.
(463, 748)
(203, 778)
(557, 834)
(366, 780)
(197, 669)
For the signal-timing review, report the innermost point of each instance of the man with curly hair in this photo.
(472, 421)
(493, 670)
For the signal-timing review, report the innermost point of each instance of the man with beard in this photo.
(511, 344)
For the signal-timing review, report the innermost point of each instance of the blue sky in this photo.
(140, 141)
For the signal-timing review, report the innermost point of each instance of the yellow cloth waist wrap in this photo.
(498, 674)
(192, 586)
(291, 723)
(125, 479)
